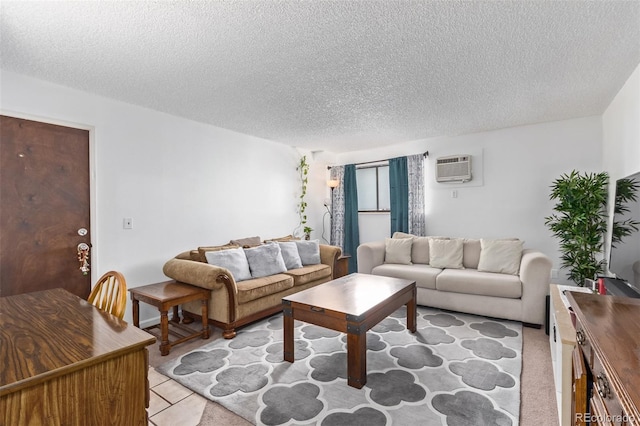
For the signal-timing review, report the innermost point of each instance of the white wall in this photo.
(518, 166)
(621, 136)
(184, 183)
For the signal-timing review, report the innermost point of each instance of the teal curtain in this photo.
(399, 194)
(351, 232)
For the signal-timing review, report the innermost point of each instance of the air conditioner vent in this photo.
(455, 168)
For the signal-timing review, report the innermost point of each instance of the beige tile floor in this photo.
(172, 404)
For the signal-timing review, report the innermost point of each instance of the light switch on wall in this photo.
(127, 223)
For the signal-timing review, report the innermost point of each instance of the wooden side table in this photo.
(342, 266)
(167, 295)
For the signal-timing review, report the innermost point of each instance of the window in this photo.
(373, 188)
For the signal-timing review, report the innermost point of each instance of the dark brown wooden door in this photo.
(44, 202)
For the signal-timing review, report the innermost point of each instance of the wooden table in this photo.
(65, 362)
(351, 304)
(167, 295)
(342, 266)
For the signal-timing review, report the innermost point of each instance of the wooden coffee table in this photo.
(352, 304)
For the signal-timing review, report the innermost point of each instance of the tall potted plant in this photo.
(580, 222)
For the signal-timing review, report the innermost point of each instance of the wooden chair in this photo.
(110, 294)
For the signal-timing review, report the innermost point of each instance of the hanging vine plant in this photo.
(303, 170)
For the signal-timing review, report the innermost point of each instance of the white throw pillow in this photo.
(397, 250)
(290, 254)
(446, 253)
(265, 260)
(309, 251)
(501, 256)
(232, 259)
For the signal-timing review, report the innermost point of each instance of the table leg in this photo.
(288, 334)
(164, 330)
(356, 356)
(176, 316)
(205, 318)
(412, 313)
(136, 311)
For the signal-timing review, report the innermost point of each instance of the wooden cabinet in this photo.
(606, 367)
(65, 362)
(562, 341)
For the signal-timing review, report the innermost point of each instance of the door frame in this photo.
(93, 216)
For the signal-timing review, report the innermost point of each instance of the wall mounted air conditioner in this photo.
(454, 168)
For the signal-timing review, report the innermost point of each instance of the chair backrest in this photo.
(110, 293)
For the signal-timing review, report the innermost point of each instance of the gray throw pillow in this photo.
(265, 260)
(309, 252)
(290, 254)
(233, 259)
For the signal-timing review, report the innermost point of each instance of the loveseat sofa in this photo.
(495, 278)
(243, 291)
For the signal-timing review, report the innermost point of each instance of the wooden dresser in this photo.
(606, 360)
(65, 362)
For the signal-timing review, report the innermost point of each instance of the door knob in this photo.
(83, 258)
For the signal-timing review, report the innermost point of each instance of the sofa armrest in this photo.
(370, 255)
(535, 274)
(329, 255)
(199, 274)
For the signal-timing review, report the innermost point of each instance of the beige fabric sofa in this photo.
(234, 304)
(519, 297)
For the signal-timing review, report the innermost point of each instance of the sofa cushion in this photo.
(200, 256)
(501, 256)
(420, 250)
(260, 287)
(309, 251)
(446, 253)
(233, 259)
(285, 238)
(423, 275)
(398, 250)
(471, 253)
(470, 281)
(195, 255)
(420, 246)
(290, 254)
(399, 234)
(309, 273)
(265, 260)
(247, 242)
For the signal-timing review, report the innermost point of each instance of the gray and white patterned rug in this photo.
(457, 369)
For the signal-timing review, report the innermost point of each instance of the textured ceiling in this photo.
(335, 75)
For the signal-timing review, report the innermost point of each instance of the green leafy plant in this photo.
(580, 222)
(626, 190)
(303, 170)
(307, 232)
